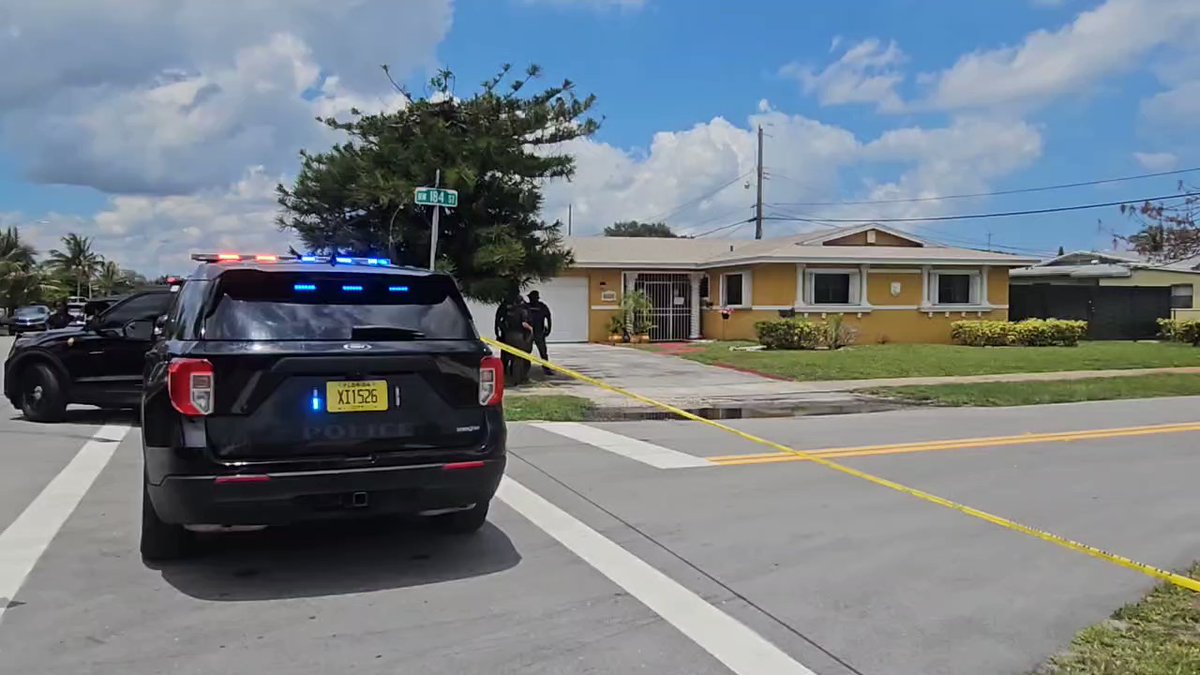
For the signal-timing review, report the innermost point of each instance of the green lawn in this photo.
(874, 361)
(546, 408)
(1158, 636)
(1059, 391)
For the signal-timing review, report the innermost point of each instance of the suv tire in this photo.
(461, 522)
(162, 541)
(41, 394)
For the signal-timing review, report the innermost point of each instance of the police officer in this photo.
(513, 328)
(539, 315)
(61, 318)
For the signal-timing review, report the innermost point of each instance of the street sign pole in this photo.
(437, 183)
(437, 198)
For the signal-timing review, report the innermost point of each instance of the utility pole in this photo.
(758, 203)
(989, 240)
(433, 237)
(569, 219)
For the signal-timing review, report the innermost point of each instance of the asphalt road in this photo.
(597, 562)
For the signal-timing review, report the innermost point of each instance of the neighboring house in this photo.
(890, 285)
(1119, 294)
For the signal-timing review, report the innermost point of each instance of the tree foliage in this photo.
(496, 148)
(633, 228)
(1168, 231)
(76, 261)
(22, 280)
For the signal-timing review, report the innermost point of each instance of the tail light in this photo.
(491, 381)
(190, 383)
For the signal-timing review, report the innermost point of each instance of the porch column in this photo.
(694, 334)
(863, 271)
(925, 299)
(983, 289)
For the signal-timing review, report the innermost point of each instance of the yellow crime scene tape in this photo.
(1128, 563)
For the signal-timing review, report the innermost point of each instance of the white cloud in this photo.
(175, 97)
(1098, 43)
(156, 235)
(805, 160)
(1178, 107)
(1157, 161)
(866, 73)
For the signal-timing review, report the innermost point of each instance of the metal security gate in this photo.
(671, 297)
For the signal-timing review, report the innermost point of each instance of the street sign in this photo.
(428, 196)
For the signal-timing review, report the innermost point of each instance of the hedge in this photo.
(801, 334)
(1180, 330)
(1029, 333)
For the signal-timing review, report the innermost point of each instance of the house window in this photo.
(1181, 296)
(956, 288)
(833, 287)
(704, 288)
(735, 290)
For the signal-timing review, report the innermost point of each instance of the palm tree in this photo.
(111, 278)
(20, 279)
(76, 261)
(13, 250)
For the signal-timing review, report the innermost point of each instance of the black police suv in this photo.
(99, 363)
(286, 389)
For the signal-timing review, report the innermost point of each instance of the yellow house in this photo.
(890, 285)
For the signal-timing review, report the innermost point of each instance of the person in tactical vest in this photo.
(513, 328)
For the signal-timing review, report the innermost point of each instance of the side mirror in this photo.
(141, 330)
(160, 325)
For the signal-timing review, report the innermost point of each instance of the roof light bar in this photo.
(270, 258)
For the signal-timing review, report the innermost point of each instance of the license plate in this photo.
(369, 396)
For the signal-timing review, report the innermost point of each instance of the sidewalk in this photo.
(689, 384)
(852, 385)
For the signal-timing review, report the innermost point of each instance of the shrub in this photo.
(1180, 330)
(788, 334)
(981, 333)
(1030, 333)
(836, 333)
(833, 333)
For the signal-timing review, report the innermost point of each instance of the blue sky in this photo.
(176, 141)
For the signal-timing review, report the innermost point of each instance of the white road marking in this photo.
(647, 453)
(23, 542)
(741, 650)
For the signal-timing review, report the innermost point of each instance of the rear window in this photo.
(256, 305)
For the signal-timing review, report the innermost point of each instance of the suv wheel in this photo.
(162, 541)
(462, 522)
(41, 394)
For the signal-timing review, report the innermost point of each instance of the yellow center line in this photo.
(954, 444)
(1119, 560)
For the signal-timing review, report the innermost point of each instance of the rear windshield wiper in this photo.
(384, 333)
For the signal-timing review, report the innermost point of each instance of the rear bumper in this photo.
(289, 497)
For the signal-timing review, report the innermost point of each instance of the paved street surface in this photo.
(598, 561)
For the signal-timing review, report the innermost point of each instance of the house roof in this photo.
(683, 253)
(1106, 264)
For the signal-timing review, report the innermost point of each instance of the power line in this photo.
(693, 200)
(1061, 186)
(723, 227)
(978, 216)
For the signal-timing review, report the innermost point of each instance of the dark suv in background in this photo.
(290, 389)
(98, 363)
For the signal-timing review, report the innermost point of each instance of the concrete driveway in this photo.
(680, 382)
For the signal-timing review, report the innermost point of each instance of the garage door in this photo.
(567, 298)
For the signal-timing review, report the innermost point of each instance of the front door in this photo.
(671, 297)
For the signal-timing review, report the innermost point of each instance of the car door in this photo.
(112, 352)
